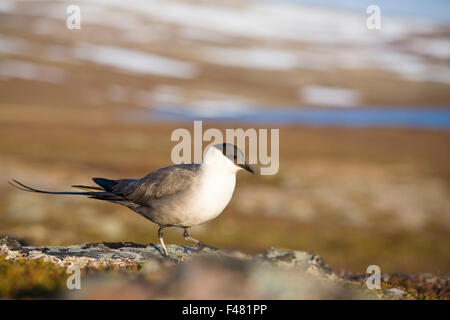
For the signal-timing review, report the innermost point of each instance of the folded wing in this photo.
(134, 192)
(158, 184)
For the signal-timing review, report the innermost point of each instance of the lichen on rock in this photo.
(140, 271)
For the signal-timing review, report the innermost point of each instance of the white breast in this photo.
(212, 195)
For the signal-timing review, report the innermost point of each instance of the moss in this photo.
(22, 278)
(30, 279)
(422, 286)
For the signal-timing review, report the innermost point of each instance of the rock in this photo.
(193, 273)
(11, 242)
(117, 253)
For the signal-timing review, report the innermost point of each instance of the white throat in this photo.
(215, 160)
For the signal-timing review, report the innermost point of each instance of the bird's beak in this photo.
(247, 167)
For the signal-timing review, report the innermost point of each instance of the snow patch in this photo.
(134, 61)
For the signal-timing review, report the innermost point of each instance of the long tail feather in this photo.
(87, 188)
(100, 195)
(23, 187)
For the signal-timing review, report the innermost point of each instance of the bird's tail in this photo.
(88, 188)
(99, 193)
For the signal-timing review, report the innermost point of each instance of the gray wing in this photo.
(157, 184)
(133, 193)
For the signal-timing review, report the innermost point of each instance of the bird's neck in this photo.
(215, 161)
(218, 168)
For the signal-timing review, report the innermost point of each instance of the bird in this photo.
(179, 195)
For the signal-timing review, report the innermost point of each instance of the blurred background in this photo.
(364, 119)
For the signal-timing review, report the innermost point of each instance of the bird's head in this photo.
(228, 156)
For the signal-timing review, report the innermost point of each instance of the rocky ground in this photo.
(139, 271)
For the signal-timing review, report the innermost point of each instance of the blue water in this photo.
(431, 118)
(437, 10)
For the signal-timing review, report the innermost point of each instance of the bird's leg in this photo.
(188, 237)
(200, 245)
(161, 240)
